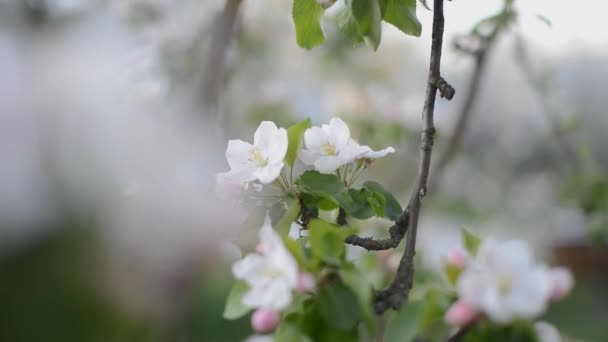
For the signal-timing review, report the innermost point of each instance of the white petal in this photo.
(259, 338)
(238, 153)
(250, 269)
(273, 294)
(339, 134)
(263, 136)
(276, 153)
(379, 154)
(328, 164)
(307, 157)
(269, 173)
(546, 332)
(314, 139)
(239, 176)
(352, 151)
(528, 294)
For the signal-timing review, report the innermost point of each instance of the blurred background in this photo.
(114, 117)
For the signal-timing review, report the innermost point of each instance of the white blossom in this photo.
(262, 161)
(504, 282)
(330, 146)
(546, 332)
(271, 276)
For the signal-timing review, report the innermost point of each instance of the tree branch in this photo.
(213, 76)
(397, 231)
(479, 55)
(397, 293)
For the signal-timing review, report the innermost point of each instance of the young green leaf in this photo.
(392, 208)
(339, 306)
(327, 241)
(369, 20)
(347, 24)
(357, 282)
(294, 135)
(402, 15)
(471, 241)
(288, 218)
(288, 331)
(307, 20)
(322, 186)
(234, 307)
(362, 208)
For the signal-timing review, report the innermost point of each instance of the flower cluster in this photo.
(329, 149)
(501, 281)
(272, 276)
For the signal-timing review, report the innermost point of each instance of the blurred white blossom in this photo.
(272, 275)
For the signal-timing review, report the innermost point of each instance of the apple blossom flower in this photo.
(330, 146)
(504, 282)
(460, 314)
(262, 161)
(561, 282)
(546, 332)
(264, 320)
(271, 276)
(306, 283)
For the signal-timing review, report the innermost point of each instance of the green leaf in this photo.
(307, 20)
(288, 218)
(294, 136)
(348, 25)
(357, 282)
(471, 241)
(361, 208)
(402, 15)
(339, 306)
(403, 325)
(377, 202)
(369, 20)
(234, 306)
(434, 306)
(327, 241)
(315, 182)
(392, 208)
(288, 331)
(452, 272)
(322, 186)
(297, 249)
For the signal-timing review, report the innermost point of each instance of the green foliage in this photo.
(327, 192)
(234, 307)
(452, 272)
(295, 134)
(327, 241)
(520, 331)
(359, 21)
(391, 208)
(402, 15)
(368, 20)
(339, 306)
(291, 214)
(471, 241)
(403, 324)
(356, 281)
(289, 331)
(306, 17)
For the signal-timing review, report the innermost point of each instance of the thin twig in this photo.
(213, 76)
(480, 56)
(397, 293)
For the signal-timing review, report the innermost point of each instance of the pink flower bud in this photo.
(306, 283)
(264, 320)
(561, 281)
(259, 248)
(456, 258)
(460, 314)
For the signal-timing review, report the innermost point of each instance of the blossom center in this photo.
(329, 149)
(272, 273)
(257, 157)
(504, 285)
